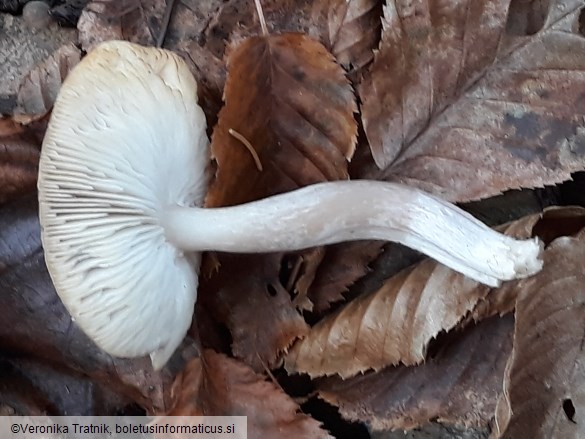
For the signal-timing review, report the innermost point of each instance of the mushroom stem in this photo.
(328, 213)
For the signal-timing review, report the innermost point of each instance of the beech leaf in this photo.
(289, 100)
(217, 385)
(450, 109)
(354, 31)
(389, 326)
(201, 31)
(545, 377)
(459, 385)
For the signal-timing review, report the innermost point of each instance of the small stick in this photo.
(165, 23)
(248, 146)
(269, 373)
(294, 274)
(261, 18)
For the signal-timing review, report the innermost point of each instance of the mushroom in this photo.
(121, 184)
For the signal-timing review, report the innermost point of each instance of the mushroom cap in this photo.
(126, 141)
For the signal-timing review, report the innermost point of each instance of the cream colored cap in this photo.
(126, 140)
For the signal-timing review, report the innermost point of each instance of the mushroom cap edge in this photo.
(126, 140)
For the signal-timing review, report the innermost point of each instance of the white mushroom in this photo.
(121, 179)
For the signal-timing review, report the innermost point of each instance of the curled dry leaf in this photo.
(19, 157)
(248, 297)
(38, 89)
(545, 376)
(446, 111)
(354, 30)
(300, 273)
(287, 122)
(459, 385)
(326, 273)
(138, 21)
(341, 266)
(34, 322)
(216, 385)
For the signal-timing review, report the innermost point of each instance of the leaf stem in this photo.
(261, 17)
(328, 213)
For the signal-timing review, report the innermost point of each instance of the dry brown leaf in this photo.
(289, 100)
(354, 30)
(287, 122)
(221, 386)
(390, 326)
(199, 31)
(19, 157)
(249, 298)
(428, 51)
(38, 89)
(545, 376)
(341, 266)
(526, 17)
(459, 385)
(326, 273)
(34, 322)
(9, 127)
(138, 21)
(300, 271)
(445, 111)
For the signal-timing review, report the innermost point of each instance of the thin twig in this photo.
(294, 274)
(165, 23)
(261, 18)
(269, 373)
(248, 146)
